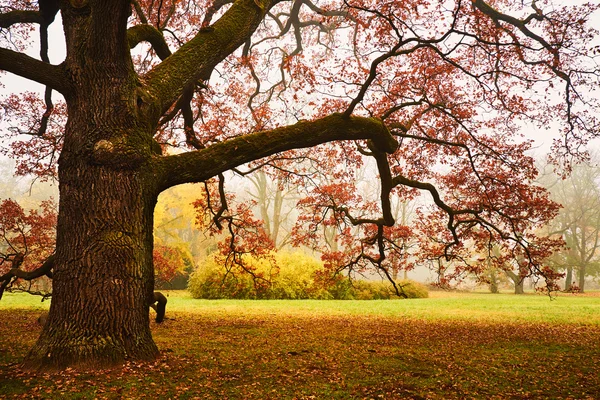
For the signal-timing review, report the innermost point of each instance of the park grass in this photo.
(441, 306)
(449, 346)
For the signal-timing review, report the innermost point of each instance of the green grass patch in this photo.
(23, 301)
(450, 346)
(538, 308)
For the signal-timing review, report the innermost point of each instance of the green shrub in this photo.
(210, 282)
(383, 290)
(412, 289)
(296, 278)
(292, 276)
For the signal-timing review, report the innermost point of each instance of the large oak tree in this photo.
(162, 92)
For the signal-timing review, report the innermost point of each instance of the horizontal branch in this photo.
(44, 269)
(27, 67)
(200, 165)
(20, 17)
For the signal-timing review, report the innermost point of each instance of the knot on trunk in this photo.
(117, 154)
(78, 3)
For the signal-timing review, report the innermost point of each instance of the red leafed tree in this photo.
(433, 92)
(26, 241)
(168, 261)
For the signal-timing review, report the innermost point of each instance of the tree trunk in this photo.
(277, 206)
(581, 276)
(519, 289)
(494, 282)
(518, 281)
(569, 279)
(103, 277)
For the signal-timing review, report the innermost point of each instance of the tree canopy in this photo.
(158, 93)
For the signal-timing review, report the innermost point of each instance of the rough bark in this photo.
(102, 277)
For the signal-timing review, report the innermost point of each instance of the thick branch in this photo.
(35, 70)
(15, 272)
(44, 269)
(20, 17)
(200, 165)
(148, 33)
(196, 59)
(520, 24)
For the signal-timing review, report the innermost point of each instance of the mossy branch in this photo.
(195, 60)
(148, 33)
(200, 165)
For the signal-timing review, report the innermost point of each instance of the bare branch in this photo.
(28, 67)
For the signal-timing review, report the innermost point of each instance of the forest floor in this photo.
(449, 346)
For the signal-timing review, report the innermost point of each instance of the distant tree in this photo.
(174, 220)
(432, 91)
(493, 276)
(514, 269)
(275, 202)
(578, 222)
(517, 276)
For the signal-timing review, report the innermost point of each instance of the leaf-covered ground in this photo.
(229, 350)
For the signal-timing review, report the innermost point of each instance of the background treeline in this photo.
(181, 246)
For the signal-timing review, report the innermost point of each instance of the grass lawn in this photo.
(449, 346)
